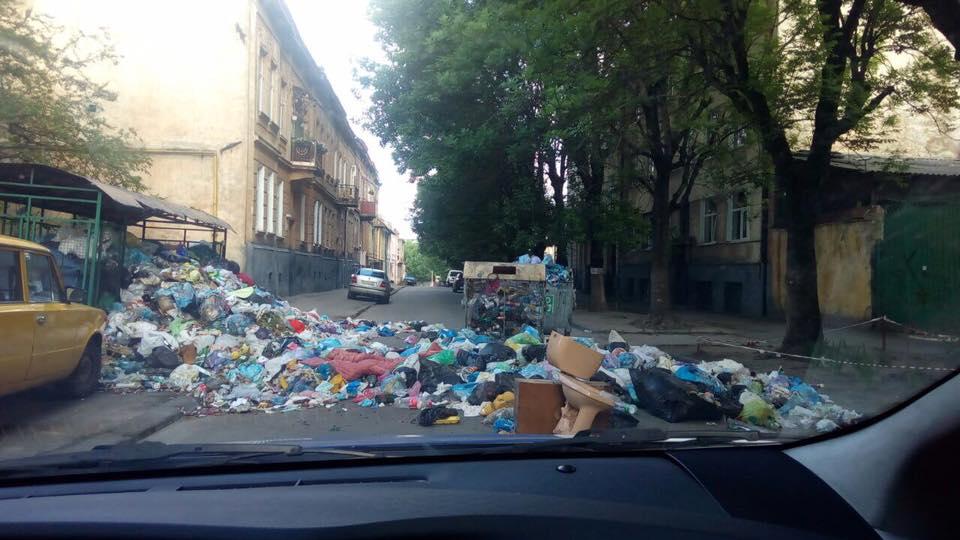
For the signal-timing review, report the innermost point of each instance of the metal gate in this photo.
(24, 216)
(917, 266)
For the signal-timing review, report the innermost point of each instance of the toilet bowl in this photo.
(589, 399)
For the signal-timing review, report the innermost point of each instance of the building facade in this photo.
(241, 122)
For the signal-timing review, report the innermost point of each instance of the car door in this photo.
(56, 346)
(16, 322)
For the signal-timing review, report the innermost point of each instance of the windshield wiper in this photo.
(138, 455)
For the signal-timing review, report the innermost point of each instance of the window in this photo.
(278, 205)
(302, 218)
(11, 289)
(709, 219)
(42, 278)
(260, 200)
(317, 223)
(261, 91)
(271, 203)
(272, 103)
(738, 227)
(367, 272)
(281, 118)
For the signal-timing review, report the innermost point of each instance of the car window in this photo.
(42, 279)
(11, 289)
(372, 273)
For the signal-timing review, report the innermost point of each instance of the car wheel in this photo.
(350, 295)
(86, 376)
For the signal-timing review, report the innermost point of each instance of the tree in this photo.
(633, 111)
(812, 74)
(51, 111)
(447, 101)
(421, 265)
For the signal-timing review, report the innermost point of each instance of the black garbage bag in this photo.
(672, 399)
(497, 352)
(429, 417)
(534, 353)
(163, 357)
(612, 385)
(273, 349)
(417, 325)
(485, 391)
(409, 375)
(431, 335)
(431, 374)
(618, 345)
(470, 359)
(506, 380)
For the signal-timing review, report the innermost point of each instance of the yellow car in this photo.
(46, 335)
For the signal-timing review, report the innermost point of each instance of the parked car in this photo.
(452, 277)
(458, 284)
(410, 280)
(370, 282)
(48, 335)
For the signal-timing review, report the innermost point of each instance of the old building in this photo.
(241, 122)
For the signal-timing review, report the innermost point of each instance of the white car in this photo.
(452, 277)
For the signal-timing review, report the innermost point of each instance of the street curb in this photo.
(648, 332)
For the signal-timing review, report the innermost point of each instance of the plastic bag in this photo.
(438, 415)
(446, 357)
(693, 374)
(153, 339)
(432, 374)
(667, 397)
(213, 308)
(757, 411)
(497, 352)
(236, 324)
(185, 375)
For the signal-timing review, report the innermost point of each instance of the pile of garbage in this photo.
(210, 331)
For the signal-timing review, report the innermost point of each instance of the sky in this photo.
(339, 35)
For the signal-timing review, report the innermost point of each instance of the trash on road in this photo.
(206, 330)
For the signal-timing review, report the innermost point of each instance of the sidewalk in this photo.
(689, 328)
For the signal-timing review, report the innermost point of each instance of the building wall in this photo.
(179, 82)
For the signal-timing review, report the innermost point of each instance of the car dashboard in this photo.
(713, 493)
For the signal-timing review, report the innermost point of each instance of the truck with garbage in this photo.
(503, 297)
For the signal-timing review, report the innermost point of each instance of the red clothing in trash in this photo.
(353, 364)
(246, 279)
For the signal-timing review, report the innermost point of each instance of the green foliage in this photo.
(451, 103)
(422, 265)
(51, 111)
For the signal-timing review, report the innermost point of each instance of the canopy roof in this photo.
(118, 205)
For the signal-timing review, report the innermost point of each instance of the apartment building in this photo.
(241, 122)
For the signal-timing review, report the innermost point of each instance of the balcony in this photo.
(348, 196)
(306, 153)
(368, 209)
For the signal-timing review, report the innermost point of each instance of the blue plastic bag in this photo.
(691, 373)
(504, 424)
(236, 324)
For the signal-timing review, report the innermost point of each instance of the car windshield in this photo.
(461, 226)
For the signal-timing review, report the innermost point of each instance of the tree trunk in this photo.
(803, 304)
(660, 301)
